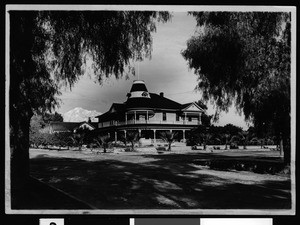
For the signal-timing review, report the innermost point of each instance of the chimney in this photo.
(161, 94)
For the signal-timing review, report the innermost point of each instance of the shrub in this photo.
(234, 145)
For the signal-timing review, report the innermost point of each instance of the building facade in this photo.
(149, 114)
(59, 127)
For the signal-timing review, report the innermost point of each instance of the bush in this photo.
(234, 145)
(128, 149)
(197, 147)
(161, 148)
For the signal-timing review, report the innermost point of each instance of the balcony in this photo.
(118, 123)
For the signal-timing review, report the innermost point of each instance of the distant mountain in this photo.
(79, 114)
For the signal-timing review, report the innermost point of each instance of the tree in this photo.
(81, 136)
(231, 129)
(202, 105)
(38, 125)
(206, 138)
(169, 137)
(244, 58)
(244, 137)
(227, 137)
(206, 119)
(102, 141)
(49, 49)
(234, 140)
(50, 117)
(133, 138)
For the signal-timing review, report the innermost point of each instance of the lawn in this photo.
(175, 180)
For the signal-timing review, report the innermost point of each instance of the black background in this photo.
(124, 219)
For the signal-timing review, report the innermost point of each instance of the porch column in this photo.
(184, 120)
(116, 136)
(147, 116)
(154, 136)
(183, 135)
(139, 132)
(125, 134)
(199, 122)
(134, 116)
(125, 120)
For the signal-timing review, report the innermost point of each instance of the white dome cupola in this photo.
(138, 90)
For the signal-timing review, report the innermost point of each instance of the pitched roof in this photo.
(94, 124)
(155, 101)
(107, 116)
(64, 126)
(117, 107)
(68, 126)
(185, 105)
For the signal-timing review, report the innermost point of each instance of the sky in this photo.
(166, 71)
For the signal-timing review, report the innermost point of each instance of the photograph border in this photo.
(181, 8)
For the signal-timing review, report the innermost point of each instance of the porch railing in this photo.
(120, 123)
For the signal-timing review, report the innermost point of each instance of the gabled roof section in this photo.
(162, 102)
(107, 116)
(116, 107)
(64, 126)
(154, 102)
(87, 123)
(69, 126)
(192, 106)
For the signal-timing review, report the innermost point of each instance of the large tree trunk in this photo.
(19, 143)
(286, 151)
(169, 148)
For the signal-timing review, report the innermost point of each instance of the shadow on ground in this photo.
(37, 195)
(168, 182)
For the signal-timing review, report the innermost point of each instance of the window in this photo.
(137, 117)
(177, 117)
(190, 118)
(164, 116)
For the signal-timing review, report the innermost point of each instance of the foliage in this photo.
(213, 135)
(169, 137)
(133, 138)
(244, 58)
(49, 49)
(194, 138)
(81, 136)
(201, 104)
(206, 119)
(52, 117)
(103, 141)
(39, 126)
(244, 137)
(63, 139)
(226, 136)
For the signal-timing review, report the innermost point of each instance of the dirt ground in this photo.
(173, 180)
